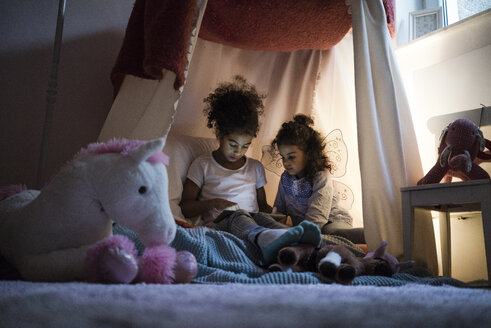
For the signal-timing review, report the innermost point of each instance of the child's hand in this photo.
(221, 204)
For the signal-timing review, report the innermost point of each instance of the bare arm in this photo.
(191, 206)
(261, 201)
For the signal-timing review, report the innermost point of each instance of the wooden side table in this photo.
(466, 196)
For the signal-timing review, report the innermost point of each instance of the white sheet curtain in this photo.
(387, 144)
(319, 83)
(294, 82)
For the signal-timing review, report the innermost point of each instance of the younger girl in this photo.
(305, 191)
(226, 178)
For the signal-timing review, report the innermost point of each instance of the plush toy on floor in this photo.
(336, 262)
(461, 149)
(64, 231)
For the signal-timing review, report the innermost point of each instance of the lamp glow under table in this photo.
(466, 196)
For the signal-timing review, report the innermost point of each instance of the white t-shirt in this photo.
(237, 186)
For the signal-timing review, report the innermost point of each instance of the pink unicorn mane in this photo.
(123, 147)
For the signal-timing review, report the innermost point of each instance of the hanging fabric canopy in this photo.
(269, 25)
(164, 71)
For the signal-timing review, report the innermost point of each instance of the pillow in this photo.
(182, 150)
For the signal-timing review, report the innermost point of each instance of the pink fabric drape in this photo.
(158, 31)
(156, 38)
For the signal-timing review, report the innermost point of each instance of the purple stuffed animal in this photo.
(461, 149)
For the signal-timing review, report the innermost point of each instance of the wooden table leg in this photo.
(486, 227)
(445, 238)
(407, 225)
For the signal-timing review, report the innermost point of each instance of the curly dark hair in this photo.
(300, 133)
(234, 107)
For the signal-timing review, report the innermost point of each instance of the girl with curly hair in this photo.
(228, 180)
(305, 191)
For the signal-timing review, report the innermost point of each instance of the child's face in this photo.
(294, 159)
(234, 146)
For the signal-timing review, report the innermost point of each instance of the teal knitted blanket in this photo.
(224, 258)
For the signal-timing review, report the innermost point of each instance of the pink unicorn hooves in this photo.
(112, 260)
(186, 267)
(117, 265)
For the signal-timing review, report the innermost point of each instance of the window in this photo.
(424, 21)
(455, 10)
(416, 18)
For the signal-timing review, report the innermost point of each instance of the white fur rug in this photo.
(25, 304)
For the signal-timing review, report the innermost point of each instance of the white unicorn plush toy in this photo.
(64, 231)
